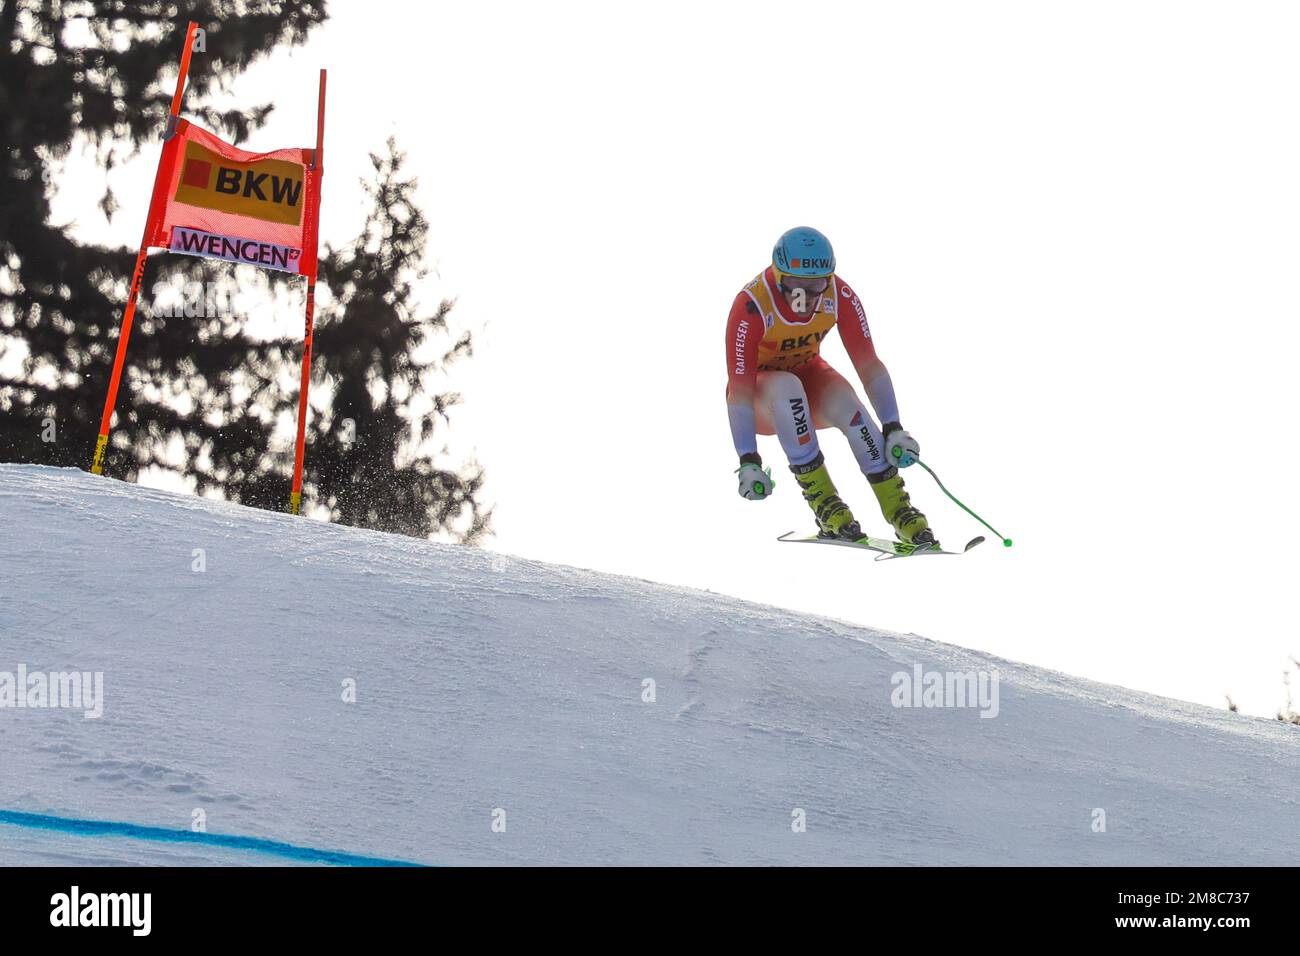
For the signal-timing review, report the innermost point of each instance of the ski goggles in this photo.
(811, 285)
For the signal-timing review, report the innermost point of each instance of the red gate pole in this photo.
(137, 276)
(318, 161)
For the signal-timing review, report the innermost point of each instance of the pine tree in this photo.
(375, 472)
(200, 394)
(102, 70)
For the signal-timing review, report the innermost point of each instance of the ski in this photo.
(883, 546)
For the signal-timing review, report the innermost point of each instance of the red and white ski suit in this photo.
(778, 383)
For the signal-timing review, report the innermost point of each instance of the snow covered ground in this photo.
(503, 714)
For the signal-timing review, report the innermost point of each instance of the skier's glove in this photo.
(755, 480)
(901, 448)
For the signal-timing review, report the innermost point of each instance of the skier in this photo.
(779, 384)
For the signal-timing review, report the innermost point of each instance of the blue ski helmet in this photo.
(803, 251)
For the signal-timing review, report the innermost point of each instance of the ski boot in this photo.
(834, 519)
(896, 505)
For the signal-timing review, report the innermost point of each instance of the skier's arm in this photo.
(744, 331)
(856, 334)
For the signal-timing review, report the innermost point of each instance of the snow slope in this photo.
(488, 683)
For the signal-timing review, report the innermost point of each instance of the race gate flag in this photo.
(218, 201)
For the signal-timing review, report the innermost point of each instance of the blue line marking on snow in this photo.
(80, 827)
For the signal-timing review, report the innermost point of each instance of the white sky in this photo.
(1073, 226)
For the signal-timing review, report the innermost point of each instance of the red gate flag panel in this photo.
(216, 200)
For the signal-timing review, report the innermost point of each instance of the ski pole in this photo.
(1005, 541)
